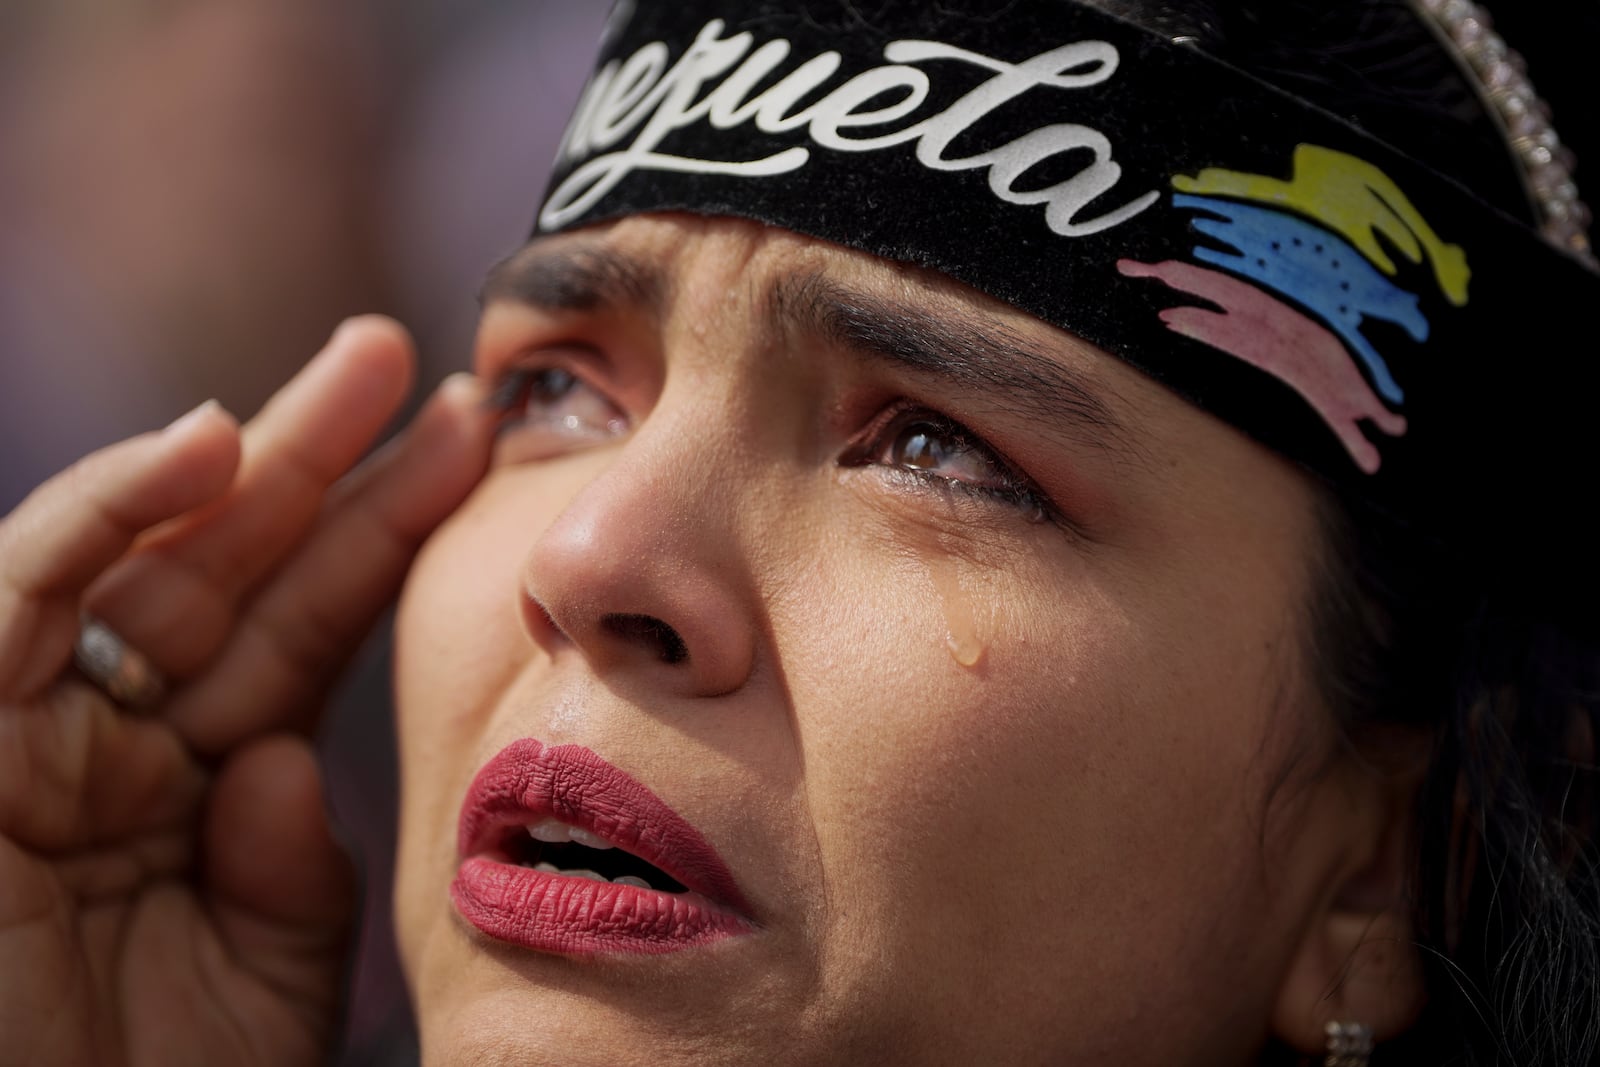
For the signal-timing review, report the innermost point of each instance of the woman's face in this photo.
(974, 655)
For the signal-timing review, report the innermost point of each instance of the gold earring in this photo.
(1349, 1044)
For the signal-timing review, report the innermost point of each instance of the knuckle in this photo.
(314, 623)
(312, 470)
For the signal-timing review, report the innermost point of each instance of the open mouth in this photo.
(550, 846)
(563, 853)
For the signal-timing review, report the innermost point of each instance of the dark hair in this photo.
(1505, 872)
(1505, 878)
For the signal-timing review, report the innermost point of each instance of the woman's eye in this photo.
(927, 446)
(947, 455)
(547, 411)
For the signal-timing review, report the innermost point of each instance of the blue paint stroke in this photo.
(1314, 267)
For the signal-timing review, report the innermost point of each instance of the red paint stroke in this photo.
(1270, 335)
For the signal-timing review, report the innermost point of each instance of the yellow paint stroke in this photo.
(1353, 197)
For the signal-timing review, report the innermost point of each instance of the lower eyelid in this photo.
(1021, 499)
(876, 442)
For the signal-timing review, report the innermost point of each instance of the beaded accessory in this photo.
(1349, 1045)
(1501, 77)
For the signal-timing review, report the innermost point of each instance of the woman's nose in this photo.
(642, 572)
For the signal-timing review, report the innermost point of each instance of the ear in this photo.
(1357, 961)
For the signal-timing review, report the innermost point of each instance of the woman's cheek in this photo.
(948, 791)
(459, 641)
(458, 646)
(462, 602)
(456, 628)
(925, 680)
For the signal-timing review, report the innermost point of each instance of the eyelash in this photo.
(513, 386)
(1015, 490)
(520, 388)
(519, 384)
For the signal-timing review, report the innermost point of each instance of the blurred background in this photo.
(193, 193)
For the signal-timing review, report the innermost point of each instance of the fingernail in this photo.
(353, 321)
(461, 387)
(184, 423)
(339, 331)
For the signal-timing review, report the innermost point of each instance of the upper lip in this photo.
(528, 781)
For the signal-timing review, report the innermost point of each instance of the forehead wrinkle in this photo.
(582, 277)
(972, 351)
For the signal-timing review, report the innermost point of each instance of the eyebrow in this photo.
(584, 278)
(973, 352)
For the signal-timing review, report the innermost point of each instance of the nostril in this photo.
(537, 619)
(648, 629)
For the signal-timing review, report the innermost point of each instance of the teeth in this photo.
(588, 840)
(556, 832)
(550, 868)
(625, 879)
(551, 832)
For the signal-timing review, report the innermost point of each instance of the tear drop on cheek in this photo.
(965, 648)
(964, 636)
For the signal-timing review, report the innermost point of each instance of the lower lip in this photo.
(580, 917)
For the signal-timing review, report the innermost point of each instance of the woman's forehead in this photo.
(647, 258)
(666, 239)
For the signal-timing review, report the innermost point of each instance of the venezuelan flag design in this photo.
(1299, 271)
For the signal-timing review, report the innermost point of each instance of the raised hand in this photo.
(170, 892)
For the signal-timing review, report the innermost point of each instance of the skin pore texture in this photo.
(985, 704)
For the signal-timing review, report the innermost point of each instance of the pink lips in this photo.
(527, 782)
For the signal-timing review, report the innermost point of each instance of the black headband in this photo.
(1270, 262)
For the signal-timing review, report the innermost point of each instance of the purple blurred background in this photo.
(193, 193)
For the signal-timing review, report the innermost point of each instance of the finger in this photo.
(282, 890)
(75, 525)
(75, 774)
(176, 597)
(303, 627)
